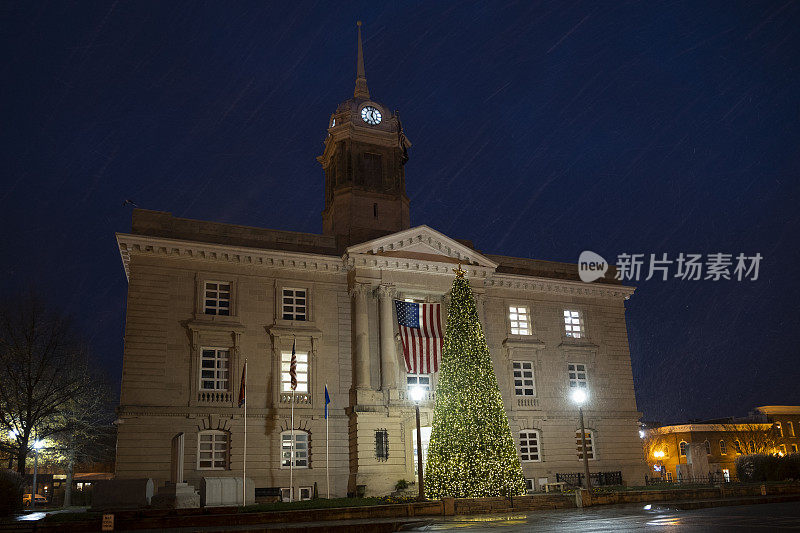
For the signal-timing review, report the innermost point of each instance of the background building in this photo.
(771, 429)
(205, 296)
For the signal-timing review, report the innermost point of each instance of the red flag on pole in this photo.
(293, 366)
(242, 391)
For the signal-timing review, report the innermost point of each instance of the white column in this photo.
(386, 294)
(361, 369)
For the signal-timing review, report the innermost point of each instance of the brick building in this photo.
(203, 296)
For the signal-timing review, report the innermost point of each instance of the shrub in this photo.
(401, 485)
(11, 485)
(757, 468)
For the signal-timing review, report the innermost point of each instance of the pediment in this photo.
(422, 243)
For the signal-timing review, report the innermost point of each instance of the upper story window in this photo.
(737, 445)
(752, 447)
(529, 445)
(794, 448)
(723, 448)
(783, 449)
(573, 324)
(214, 369)
(708, 447)
(213, 450)
(790, 428)
(217, 298)
(577, 375)
(294, 304)
(523, 379)
(300, 456)
(301, 371)
(520, 320)
(589, 444)
(419, 380)
(381, 445)
(682, 447)
(779, 428)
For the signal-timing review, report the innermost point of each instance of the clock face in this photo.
(370, 115)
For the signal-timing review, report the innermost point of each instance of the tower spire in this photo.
(361, 79)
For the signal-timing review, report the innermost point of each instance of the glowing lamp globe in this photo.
(416, 393)
(38, 444)
(579, 396)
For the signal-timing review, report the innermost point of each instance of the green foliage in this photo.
(471, 451)
(10, 492)
(401, 484)
(757, 468)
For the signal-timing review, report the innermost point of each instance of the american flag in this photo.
(293, 366)
(421, 333)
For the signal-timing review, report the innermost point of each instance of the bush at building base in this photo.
(10, 492)
(756, 468)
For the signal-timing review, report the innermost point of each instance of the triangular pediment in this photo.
(422, 243)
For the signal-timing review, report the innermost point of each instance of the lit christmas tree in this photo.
(471, 451)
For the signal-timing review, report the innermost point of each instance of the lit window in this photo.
(577, 375)
(669, 477)
(523, 379)
(214, 371)
(382, 445)
(520, 320)
(295, 304)
(419, 380)
(779, 428)
(300, 449)
(212, 452)
(572, 324)
(217, 298)
(794, 448)
(708, 447)
(783, 449)
(737, 445)
(723, 448)
(301, 371)
(529, 445)
(683, 448)
(752, 447)
(589, 444)
(529, 486)
(790, 427)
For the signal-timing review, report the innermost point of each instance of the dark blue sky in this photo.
(539, 130)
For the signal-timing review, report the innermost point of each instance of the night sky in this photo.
(539, 130)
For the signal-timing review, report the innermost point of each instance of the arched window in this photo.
(213, 450)
(529, 445)
(737, 444)
(723, 448)
(752, 447)
(683, 448)
(301, 449)
(779, 428)
(708, 447)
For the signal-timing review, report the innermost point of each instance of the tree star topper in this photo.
(459, 272)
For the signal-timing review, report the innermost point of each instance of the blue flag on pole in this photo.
(327, 400)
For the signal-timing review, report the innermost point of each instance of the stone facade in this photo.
(348, 277)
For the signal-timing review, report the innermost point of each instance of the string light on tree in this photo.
(471, 451)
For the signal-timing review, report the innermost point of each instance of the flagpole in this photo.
(291, 456)
(244, 461)
(327, 441)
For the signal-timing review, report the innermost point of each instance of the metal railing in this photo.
(599, 479)
(713, 478)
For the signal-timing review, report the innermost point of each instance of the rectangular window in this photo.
(419, 380)
(530, 488)
(779, 428)
(212, 450)
(783, 449)
(794, 448)
(301, 371)
(589, 444)
(790, 427)
(294, 304)
(529, 445)
(300, 449)
(520, 320)
(523, 379)
(214, 370)
(217, 300)
(577, 375)
(573, 325)
(669, 476)
(306, 493)
(382, 445)
(286, 494)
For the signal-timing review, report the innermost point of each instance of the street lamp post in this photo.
(37, 445)
(579, 397)
(417, 394)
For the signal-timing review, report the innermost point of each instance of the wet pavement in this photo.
(762, 517)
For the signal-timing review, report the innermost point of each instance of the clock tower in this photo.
(363, 160)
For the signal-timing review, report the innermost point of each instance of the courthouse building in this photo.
(205, 296)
